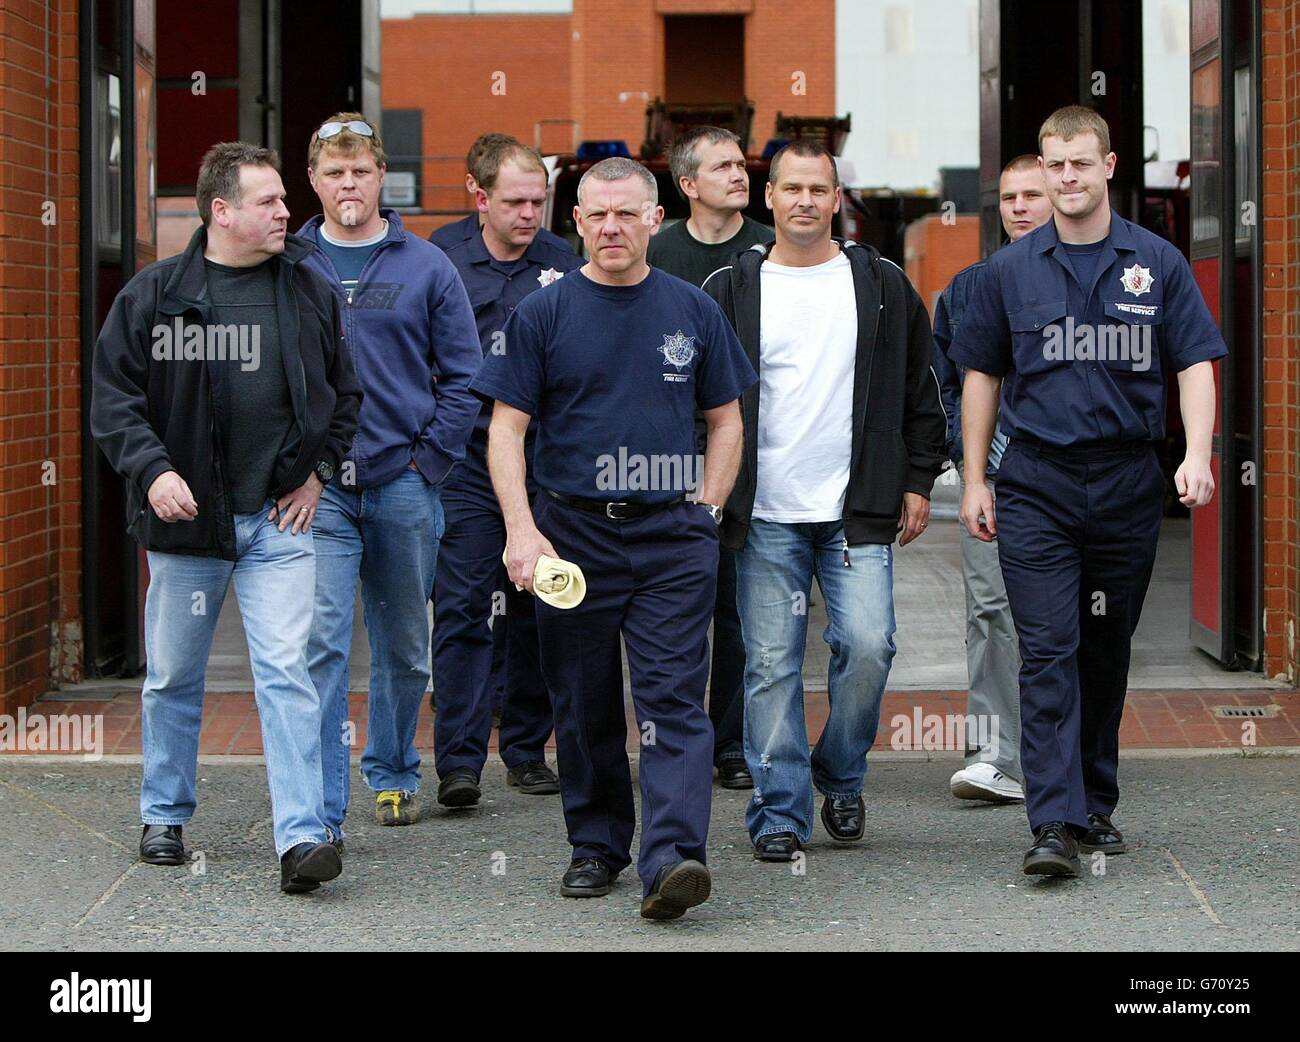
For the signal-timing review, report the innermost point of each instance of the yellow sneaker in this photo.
(395, 807)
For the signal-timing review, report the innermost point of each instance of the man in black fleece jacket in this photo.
(844, 436)
(224, 395)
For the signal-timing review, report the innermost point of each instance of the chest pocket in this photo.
(1129, 342)
(1038, 336)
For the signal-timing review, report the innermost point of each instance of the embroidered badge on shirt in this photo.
(549, 275)
(1137, 280)
(678, 351)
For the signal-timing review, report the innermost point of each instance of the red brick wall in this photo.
(776, 49)
(618, 56)
(445, 65)
(1280, 79)
(600, 66)
(40, 529)
(618, 67)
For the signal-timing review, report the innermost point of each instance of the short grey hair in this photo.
(620, 168)
(684, 159)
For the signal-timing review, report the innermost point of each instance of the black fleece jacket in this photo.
(898, 419)
(151, 414)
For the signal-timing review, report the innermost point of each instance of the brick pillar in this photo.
(1280, 80)
(789, 68)
(40, 465)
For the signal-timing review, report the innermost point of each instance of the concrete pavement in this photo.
(1215, 843)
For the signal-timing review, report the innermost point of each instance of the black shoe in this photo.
(161, 845)
(1103, 836)
(533, 778)
(734, 774)
(1055, 852)
(777, 846)
(587, 877)
(304, 867)
(677, 888)
(845, 820)
(459, 788)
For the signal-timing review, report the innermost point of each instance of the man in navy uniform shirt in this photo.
(613, 361)
(1074, 324)
(485, 153)
(500, 263)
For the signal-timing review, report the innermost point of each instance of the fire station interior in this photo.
(1201, 626)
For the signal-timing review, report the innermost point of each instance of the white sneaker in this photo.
(983, 781)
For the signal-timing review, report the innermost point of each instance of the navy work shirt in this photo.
(948, 310)
(495, 289)
(1083, 364)
(613, 374)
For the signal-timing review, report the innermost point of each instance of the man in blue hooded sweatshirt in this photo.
(409, 326)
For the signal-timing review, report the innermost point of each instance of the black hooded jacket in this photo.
(898, 419)
(150, 415)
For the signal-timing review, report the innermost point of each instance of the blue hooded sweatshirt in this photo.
(414, 345)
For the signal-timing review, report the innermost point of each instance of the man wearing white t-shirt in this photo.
(844, 436)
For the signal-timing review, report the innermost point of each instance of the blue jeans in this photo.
(274, 574)
(773, 576)
(389, 537)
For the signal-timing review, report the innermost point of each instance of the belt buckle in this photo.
(609, 511)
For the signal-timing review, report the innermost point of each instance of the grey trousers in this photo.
(992, 657)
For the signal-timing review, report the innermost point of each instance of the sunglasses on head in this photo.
(334, 129)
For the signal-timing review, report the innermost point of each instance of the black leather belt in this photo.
(614, 511)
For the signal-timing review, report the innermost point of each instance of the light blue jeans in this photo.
(773, 576)
(274, 574)
(388, 536)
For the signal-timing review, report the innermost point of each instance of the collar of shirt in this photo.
(1119, 239)
(534, 255)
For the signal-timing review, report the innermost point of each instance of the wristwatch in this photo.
(325, 471)
(715, 512)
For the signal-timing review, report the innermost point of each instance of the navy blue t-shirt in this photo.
(613, 374)
(1083, 259)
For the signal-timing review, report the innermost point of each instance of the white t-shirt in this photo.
(807, 351)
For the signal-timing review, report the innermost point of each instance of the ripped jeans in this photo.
(773, 576)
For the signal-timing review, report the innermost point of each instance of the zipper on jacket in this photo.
(349, 329)
(866, 402)
(222, 486)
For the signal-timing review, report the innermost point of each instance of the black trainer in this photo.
(533, 778)
(777, 846)
(734, 774)
(587, 877)
(459, 788)
(162, 845)
(1103, 836)
(1055, 852)
(845, 820)
(677, 888)
(304, 867)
